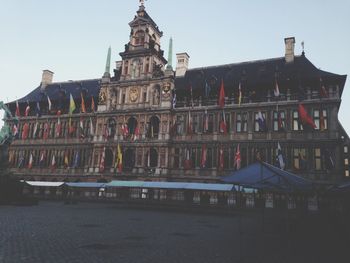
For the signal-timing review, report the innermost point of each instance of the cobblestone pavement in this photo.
(89, 232)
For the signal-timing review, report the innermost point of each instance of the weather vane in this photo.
(142, 2)
(303, 46)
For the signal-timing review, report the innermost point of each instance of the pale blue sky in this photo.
(71, 38)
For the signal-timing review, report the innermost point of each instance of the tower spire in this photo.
(107, 73)
(170, 55)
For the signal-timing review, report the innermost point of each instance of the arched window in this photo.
(152, 158)
(139, 38)
(132, 124)
(108, 158)
(129, 157)
(153, 127)
(156, 95)
(111, 128)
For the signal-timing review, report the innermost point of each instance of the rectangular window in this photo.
(209, 163)
(241, 122)
(144, 97)
(279, 120)
(177, 158)
(227, 121)
(318, 163)
(210, 123)
(195, 123)
(123, 98)
(296, 125)
(346, 161)
(180, 124)
(257, 127)
(346, 149)
(299, 159)
(347, 173)
(320, 119)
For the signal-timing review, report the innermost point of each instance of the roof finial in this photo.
(303, 47)
(108, 64)
(142, 2)
(170, 55)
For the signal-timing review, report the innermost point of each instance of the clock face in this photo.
(133, 94)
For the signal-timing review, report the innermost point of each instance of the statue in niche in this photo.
(157, 71)
(114, 99)
(156, 95)
(136, 68)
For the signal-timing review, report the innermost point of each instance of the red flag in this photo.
(221, 159)
(323, 91)
(58, 128)
(204, 156)
(187, 162)
(222, 95)
(223, 126)
(237, 161)
(136, 132)
(305, 118)
(26, 113)
(17, 113)
(46, 131)
(322, 121)
(82, 106)
(30, 163)
(25, 131)
(92, 104)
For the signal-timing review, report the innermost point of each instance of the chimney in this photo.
(289, 42)
(46, 78)
(182, 63)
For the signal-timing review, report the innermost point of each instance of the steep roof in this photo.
(255, 74)
(89, 87)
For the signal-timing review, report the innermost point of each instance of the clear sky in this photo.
(71, 38)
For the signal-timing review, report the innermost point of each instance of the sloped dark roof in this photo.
(255, 74)
(89, 87)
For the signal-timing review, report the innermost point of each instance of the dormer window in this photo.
(139, 38)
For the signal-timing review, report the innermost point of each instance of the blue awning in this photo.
(266, 176)
(210, 187)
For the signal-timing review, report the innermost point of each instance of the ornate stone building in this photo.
(147, 121)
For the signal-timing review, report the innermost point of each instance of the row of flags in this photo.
(118, 160)
(72, 107)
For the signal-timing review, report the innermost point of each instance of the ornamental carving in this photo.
(102, 96)
(166, 90)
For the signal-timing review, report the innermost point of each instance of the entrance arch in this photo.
(129, 157)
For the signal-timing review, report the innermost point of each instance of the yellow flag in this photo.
(119, 161)
(72, 106)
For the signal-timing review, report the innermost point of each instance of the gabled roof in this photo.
(262, 175)
(90, 87)
(254, 74)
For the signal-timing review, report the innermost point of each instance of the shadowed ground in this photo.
(89, 232)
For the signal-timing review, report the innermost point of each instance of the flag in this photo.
(136, 132)
(37, 109)
(76, 160)
(49, 104)
(329, 162)
(92, 104)
(66, 160)
(21, 161)
(17, 113)
(223, 126)
(105, 132)
(174, 100)
(25, 131)
(46, 131)
(281, 163)
(92, 132)
(58, 128)
(81, 129)
(191, 93)
(102, 161)
(53, 162)
(187, 162)
(82, 106)
(305, 118)
(35, 131)
(276, 90)
(221, 159)
(30, 163)
(323, 91)
(42, 158)
(322, 121)
(280, 121)
(204, 156)
(261, 121)
(15, 130)
(119, 161)
(125, 130)
(237, 161)
(72, 106)
(189, 124)
(206, 121)
(222, 95)
(26, 113)
(239, 94)
(207, 89)
(71, 128)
